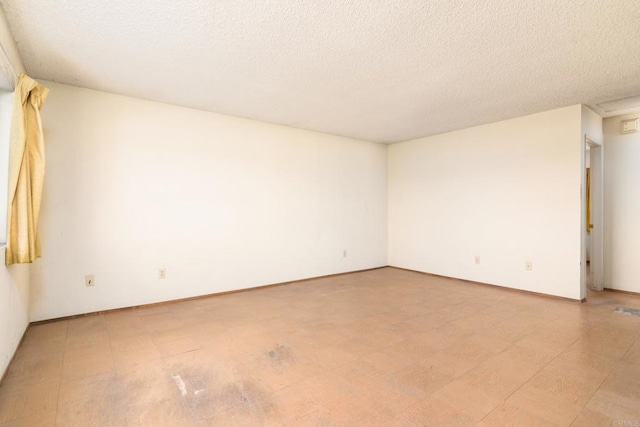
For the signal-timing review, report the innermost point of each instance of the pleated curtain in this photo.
(26, 172)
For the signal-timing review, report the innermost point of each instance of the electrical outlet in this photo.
(528, 266)
(344, 253)
(162, 273)
(477, 260)
(89, 280)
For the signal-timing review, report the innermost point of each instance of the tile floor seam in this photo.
(591, 397)
(419, 401)
(527, 382)
(113, 357)
(629, 349)
(524, 343)
(64, 353)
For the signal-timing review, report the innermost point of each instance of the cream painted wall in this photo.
(621, 206)
(222, 203)
(508, 192)
(10, 63)
(14, 309)
(14, 280)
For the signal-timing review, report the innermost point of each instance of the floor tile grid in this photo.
(358, 323)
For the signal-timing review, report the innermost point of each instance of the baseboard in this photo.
(620, 291)
(6, 371)
(234, 291)
(540, 294)
(283, 284)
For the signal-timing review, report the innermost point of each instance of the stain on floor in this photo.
(628, 311)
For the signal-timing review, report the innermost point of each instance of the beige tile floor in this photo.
(383, 347)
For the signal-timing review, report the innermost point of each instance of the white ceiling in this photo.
(377, 70)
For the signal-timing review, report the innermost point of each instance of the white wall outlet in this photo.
(89, 280)
(162, 273)
(477, 259)
(528, 266)
(344, 253)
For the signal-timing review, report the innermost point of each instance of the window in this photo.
(6, 100)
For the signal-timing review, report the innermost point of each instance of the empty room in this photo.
(338, 213)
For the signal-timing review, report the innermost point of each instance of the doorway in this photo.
(592, 259)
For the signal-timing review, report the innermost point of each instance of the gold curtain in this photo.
(26, 172)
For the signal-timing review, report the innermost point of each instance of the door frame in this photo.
(596, 265)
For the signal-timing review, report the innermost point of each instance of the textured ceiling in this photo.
(376, 70)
